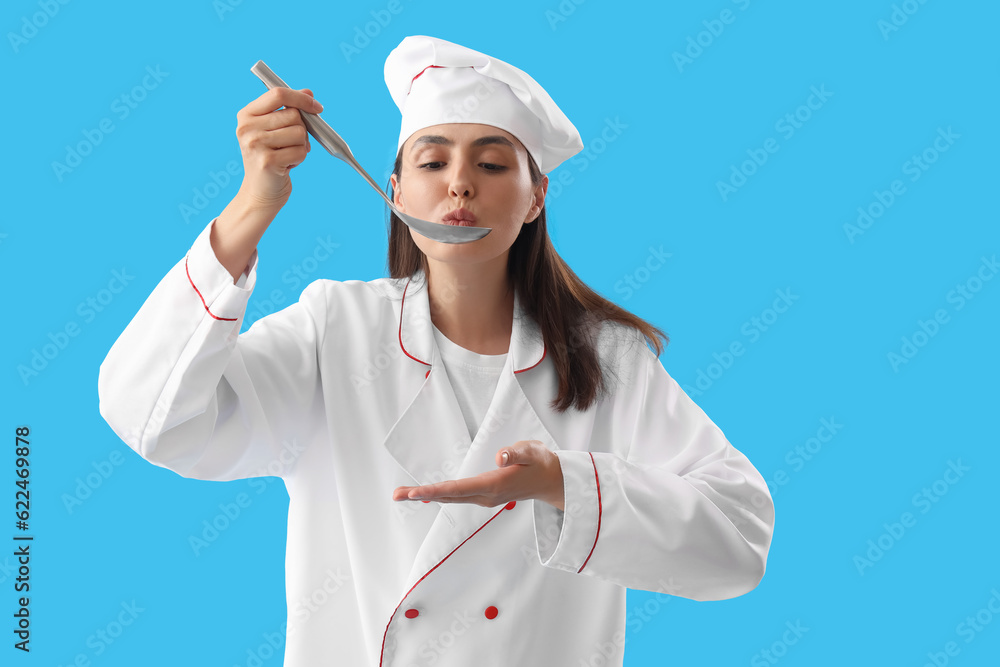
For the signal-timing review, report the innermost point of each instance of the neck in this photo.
(472, 304)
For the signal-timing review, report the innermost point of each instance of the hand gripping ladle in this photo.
(338, 148)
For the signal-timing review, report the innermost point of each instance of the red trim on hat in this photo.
(421, 72)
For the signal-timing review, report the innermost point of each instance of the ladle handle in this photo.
(317, 127)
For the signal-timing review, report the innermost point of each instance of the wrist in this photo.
(251, 204)
(558, 504)
(557, 498)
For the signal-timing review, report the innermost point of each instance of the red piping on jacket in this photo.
(536, 363)
(401, 329)
(600, 510)
(508, 506)
(401, 304)
(224, 319)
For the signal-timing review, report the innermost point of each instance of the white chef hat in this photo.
(433, 81)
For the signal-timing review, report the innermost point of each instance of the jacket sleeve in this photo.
(682, 511)
(184, 389)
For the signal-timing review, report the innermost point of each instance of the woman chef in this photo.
(485, 451)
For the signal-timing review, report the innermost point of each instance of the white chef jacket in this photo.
(338, 393)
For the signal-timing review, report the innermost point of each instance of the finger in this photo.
(278, 97)
(400, 496)
(440, 490)
(311, 105)
(285, 137)
(279, 119)
(482, 501)
(414, 492)
(485, 483)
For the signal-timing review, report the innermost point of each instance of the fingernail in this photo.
(504, 457)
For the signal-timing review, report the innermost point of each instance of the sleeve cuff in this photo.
(566, 539)
(213, 283)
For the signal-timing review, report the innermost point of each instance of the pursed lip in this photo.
(460, 216)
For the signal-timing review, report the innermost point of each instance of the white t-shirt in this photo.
(473, 376)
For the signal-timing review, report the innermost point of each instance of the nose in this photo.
(460, 180)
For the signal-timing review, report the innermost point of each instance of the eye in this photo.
(489, 166)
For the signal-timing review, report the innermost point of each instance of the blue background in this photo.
(687, 126)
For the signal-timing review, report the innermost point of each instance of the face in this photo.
(480, 168)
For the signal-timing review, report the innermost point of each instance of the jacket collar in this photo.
(416, 333)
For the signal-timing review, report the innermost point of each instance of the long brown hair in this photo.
(567, 311)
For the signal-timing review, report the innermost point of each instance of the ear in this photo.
(397, 193)
(538, 201)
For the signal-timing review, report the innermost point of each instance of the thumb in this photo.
(520, 453)
(509, 456)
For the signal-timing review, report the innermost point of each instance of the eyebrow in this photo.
(481, 141)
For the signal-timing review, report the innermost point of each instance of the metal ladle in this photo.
(338, 148)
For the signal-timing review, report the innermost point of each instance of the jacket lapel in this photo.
(430, 440)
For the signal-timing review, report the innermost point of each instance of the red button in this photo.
(412, 613)
(491, 612)
(509, 506)
(425, 501)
